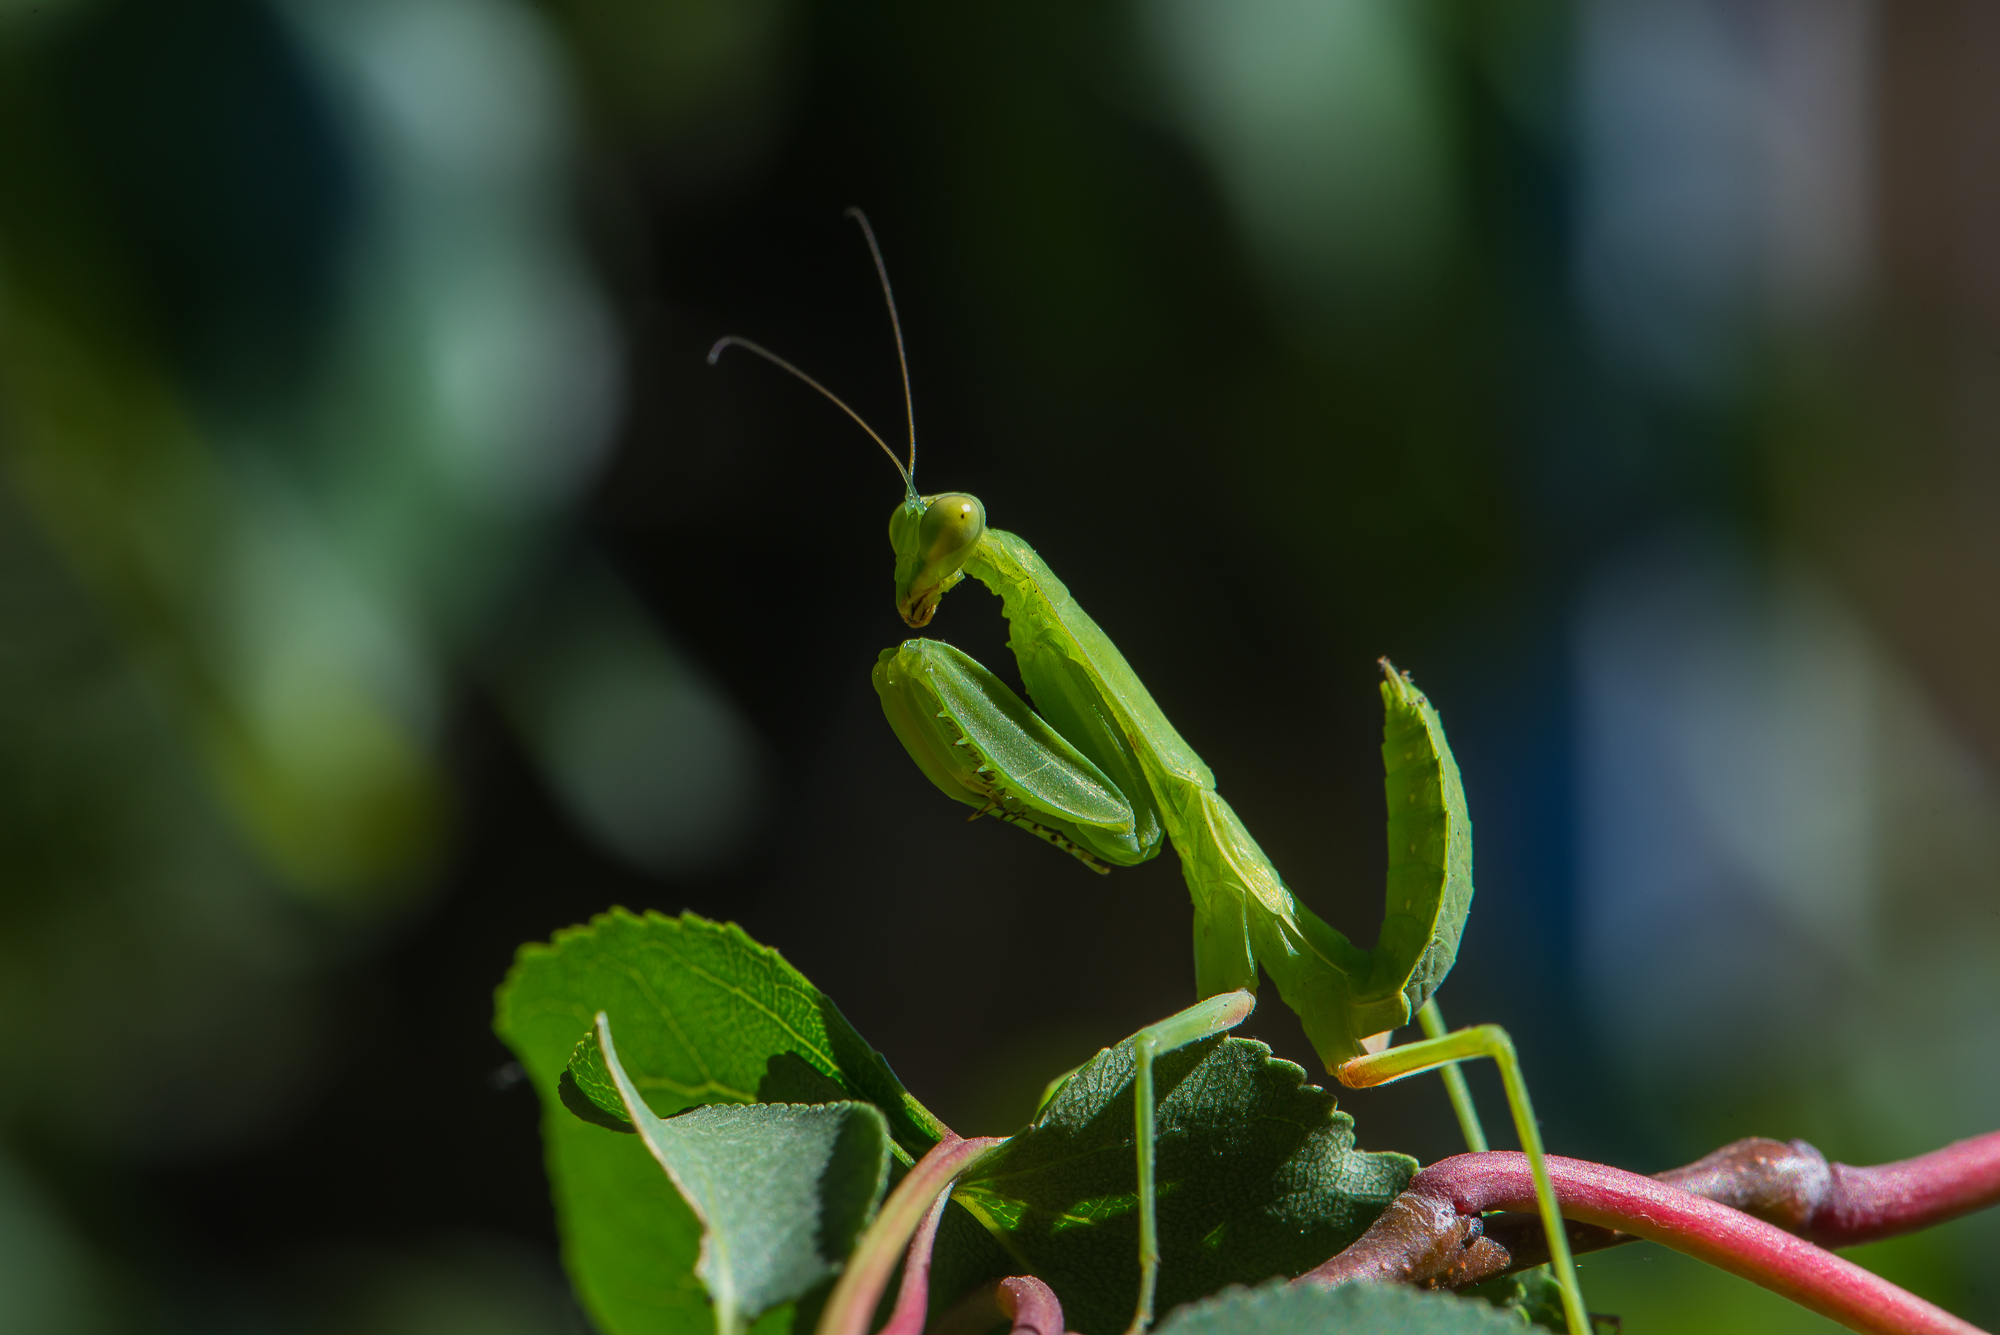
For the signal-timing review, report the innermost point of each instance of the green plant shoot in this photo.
(1095, 768)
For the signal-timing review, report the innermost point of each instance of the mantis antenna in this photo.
(902, 361)
(895, 323)
(732, 341)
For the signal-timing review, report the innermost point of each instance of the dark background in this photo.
(386, 580)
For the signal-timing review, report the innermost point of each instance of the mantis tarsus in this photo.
(1096, 769)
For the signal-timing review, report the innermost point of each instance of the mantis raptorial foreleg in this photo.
(1096, 769)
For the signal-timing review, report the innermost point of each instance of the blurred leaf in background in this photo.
(302, 376)
(1325, 125)
(49, 1282)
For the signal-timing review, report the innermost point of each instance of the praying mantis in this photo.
(1094, 768)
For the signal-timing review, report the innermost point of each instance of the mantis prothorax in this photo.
(1095, 769)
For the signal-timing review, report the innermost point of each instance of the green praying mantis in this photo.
(1095, 768)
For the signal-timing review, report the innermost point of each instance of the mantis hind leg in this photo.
(1488, 1040)
(1204, 1019)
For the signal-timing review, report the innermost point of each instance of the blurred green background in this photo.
(385, 580)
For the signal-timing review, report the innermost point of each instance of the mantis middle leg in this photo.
(1204, 1019)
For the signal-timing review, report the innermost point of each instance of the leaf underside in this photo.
(781, 1189)
(1257, 1171)
(703, 1015)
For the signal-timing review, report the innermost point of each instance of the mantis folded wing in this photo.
(1095, 769)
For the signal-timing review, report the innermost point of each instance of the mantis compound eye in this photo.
(932, 546)
(952, 522)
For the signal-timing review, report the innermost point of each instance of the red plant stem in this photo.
(1862, 1204)
(1787, 1184)
(1468, 1185)
(1030, 1304)
(851, 1306)
(913, 1300)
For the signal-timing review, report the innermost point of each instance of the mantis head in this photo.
(933, 536)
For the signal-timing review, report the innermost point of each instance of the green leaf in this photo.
(1359, 1309)
(1258, 1176)
(781, 1189)
(704, 1015)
